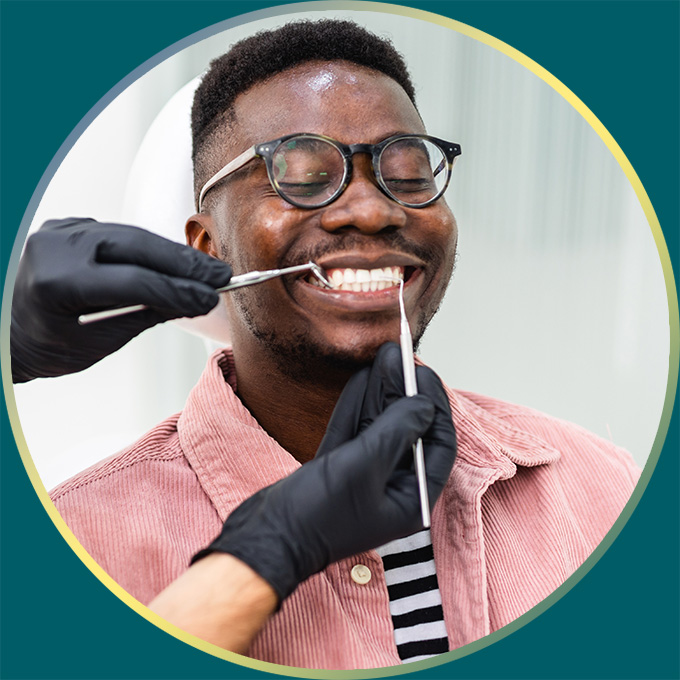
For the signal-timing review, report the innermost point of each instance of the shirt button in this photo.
(360, 574)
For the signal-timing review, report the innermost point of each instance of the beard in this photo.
(301, 360)
(293, 352)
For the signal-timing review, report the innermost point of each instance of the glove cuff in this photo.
(266, 553)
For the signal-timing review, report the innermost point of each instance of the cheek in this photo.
(442, 233)
(253, 236)
(452, 245)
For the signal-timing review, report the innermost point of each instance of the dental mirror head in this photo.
(320, 275)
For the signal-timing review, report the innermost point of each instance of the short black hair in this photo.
(268, 53)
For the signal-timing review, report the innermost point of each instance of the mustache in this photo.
(350, 241)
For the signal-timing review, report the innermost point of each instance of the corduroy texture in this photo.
(529, 499)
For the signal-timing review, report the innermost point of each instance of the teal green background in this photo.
(60, 58)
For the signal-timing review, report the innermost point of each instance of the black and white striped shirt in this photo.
(415, 600)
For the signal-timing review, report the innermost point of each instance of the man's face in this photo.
(251, 227)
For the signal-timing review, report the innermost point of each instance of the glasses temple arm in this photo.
(230, 167)
(439, 168)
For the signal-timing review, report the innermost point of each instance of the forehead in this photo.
(345, 101)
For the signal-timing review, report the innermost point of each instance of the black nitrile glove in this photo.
(75, 266)
(363, 400)
(359, 492)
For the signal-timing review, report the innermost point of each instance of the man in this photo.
(529, 497)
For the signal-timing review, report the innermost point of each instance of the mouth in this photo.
(353, 280)
(361, 283)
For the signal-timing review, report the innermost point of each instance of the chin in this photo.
(361, 346)
(327, 359)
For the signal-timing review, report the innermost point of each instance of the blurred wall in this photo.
(558, 300)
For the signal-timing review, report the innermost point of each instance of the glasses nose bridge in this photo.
(352, 149)
(360, 148)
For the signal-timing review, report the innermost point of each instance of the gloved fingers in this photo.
(439, 442)
(51, 269)
(392, 372)
(385, 384)
(121, 285)
(429, 383)
(344, 422)
(365, 397)
(439, 460)
(123, 244)
(388, 438)
(66, 223)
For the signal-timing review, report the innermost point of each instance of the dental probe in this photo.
(247, 279)
(411, 388)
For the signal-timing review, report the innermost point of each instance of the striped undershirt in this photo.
(415, 600)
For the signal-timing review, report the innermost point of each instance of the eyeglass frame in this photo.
(266, 151)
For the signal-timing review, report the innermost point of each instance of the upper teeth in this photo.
(363, 280)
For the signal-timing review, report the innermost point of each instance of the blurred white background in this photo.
(558, 301)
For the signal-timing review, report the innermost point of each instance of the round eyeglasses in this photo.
(311, 171)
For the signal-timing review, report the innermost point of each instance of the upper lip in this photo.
(362, 260)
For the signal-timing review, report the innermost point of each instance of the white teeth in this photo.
(364, 280)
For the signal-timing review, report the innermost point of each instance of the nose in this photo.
(363, 206)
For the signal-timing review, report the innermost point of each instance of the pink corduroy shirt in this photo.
(528, 500)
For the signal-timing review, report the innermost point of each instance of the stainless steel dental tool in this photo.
(247, 279)
(411, 389)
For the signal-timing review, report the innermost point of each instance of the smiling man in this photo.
(308, 146)
(303, 340)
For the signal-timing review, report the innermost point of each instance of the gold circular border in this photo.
(664, 256)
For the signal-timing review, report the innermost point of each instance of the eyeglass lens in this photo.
(413, 170)
(310, 170)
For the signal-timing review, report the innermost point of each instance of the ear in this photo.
(199, 229)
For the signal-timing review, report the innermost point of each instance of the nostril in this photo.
(365, 213)
(387, 230)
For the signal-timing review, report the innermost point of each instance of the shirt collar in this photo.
(233, 457)
(486, 438)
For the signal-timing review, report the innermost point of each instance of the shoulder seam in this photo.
(92, 480)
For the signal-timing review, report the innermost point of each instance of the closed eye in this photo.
(303, 188)
(409, 185)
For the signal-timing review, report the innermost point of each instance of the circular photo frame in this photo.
(560, 300)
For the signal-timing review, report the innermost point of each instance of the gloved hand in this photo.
(75, 266)
(360, 491)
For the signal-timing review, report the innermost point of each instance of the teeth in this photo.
(364, 280)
